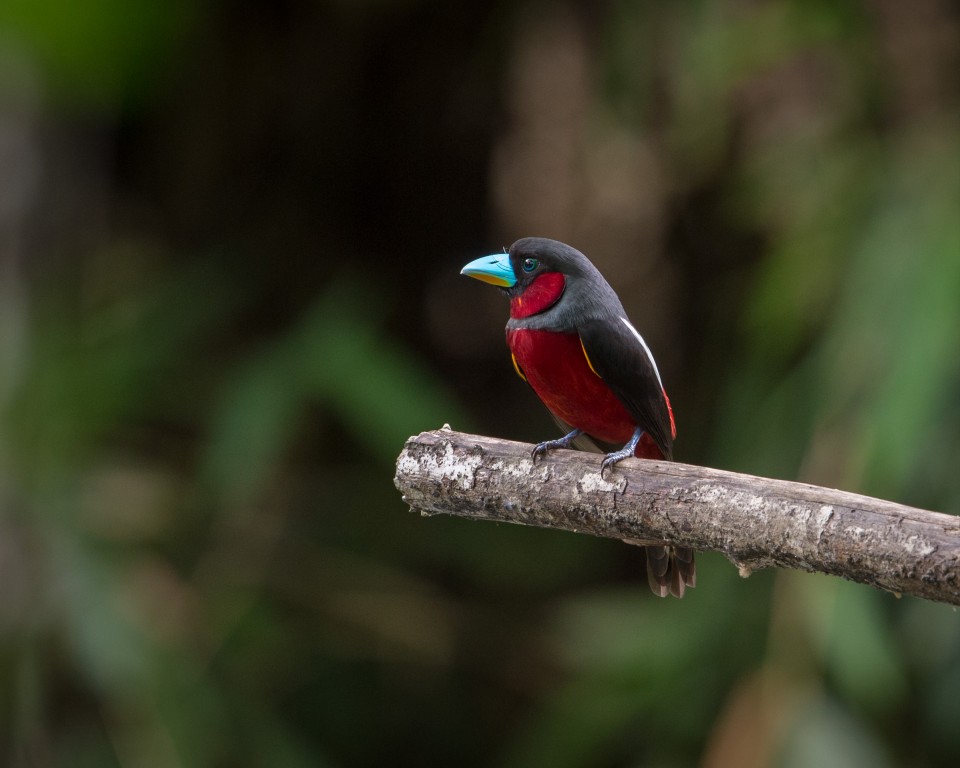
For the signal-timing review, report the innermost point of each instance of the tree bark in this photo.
(755, 522)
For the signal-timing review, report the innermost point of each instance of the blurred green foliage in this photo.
(228, 293)
(93, 53)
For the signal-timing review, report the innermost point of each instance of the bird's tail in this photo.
(670, 570)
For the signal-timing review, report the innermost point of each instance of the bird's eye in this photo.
(529, 265)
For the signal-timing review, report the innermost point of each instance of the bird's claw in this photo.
(612, 459)
(540, 450)
(624, 453)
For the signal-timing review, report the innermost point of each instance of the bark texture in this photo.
(756, 522)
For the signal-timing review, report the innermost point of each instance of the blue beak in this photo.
(495, 270)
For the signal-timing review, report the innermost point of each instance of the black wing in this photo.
(621, 359)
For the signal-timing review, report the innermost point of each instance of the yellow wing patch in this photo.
(588, 360)
(516, 366)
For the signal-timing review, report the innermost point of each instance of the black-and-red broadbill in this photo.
(571, 341)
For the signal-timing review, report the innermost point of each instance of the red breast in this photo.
(556, 366)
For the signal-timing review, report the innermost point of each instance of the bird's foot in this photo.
(626, 452)
(564, 442)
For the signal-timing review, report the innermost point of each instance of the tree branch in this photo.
(756, 522)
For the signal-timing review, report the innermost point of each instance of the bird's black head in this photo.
(531, 257)
(547, 279)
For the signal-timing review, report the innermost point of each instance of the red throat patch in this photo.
(541, 294)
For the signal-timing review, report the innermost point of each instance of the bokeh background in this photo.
(230, 238)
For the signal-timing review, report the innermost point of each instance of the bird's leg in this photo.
(624, 453)
(564, 442)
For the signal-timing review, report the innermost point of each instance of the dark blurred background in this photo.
(230, 238)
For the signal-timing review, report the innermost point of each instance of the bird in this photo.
(570, 339)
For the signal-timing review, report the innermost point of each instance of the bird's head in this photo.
(534, 273)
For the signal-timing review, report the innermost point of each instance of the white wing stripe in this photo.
(645, 349)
